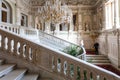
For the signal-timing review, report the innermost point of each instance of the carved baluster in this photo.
(9, 45)
(103, 77)
(89, 75)
(21, 49)
(33, 55)
(75, 72)
(65, 67)
(78, 76)
(72, 69)
(12, 46)
(82, 73)
(68, 71)
(99, 77)
(62, 67)
(59, 65)
(51, 64)
(27, 52)
(15, 48)
(3, 42)
(94, 75)
(55, 63)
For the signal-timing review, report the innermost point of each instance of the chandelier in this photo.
(55, 12)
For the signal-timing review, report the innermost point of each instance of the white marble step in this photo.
(14, 75)
(4, 69)
(95, 55)
(98, 58)
(30, 77)
(100, 61)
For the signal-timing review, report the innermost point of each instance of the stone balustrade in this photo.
(18, 29)
(39, 36)
(28, 31)
(10, 27)
(58, 42)
(51, 60)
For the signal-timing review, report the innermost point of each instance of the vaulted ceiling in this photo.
(69, 2)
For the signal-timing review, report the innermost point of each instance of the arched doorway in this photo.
(6, 12)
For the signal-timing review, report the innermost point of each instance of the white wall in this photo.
(109, 45)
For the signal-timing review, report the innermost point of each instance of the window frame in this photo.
(7, 10)
(109, 14)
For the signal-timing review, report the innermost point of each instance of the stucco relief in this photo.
(87, 22)
(116, 32)
(24, 5)
(113, 32)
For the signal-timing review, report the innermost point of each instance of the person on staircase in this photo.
(96, 47)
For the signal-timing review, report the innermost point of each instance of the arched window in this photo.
(6, 13)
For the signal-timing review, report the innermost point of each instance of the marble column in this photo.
(80, 22)
(71, 26)
(18, 22)
(47, 27)
(57, 28)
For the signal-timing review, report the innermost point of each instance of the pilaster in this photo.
(47, 27)
(57, 28)
(18, 16)
(118, 42)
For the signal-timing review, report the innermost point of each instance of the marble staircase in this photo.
(11, 72)
(103, 62)
(98, 59)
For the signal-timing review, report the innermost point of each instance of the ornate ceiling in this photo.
(69, 2)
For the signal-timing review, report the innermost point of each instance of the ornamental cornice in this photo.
(112, 32)
(115, 32)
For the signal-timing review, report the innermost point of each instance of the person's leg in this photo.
(96, 51)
